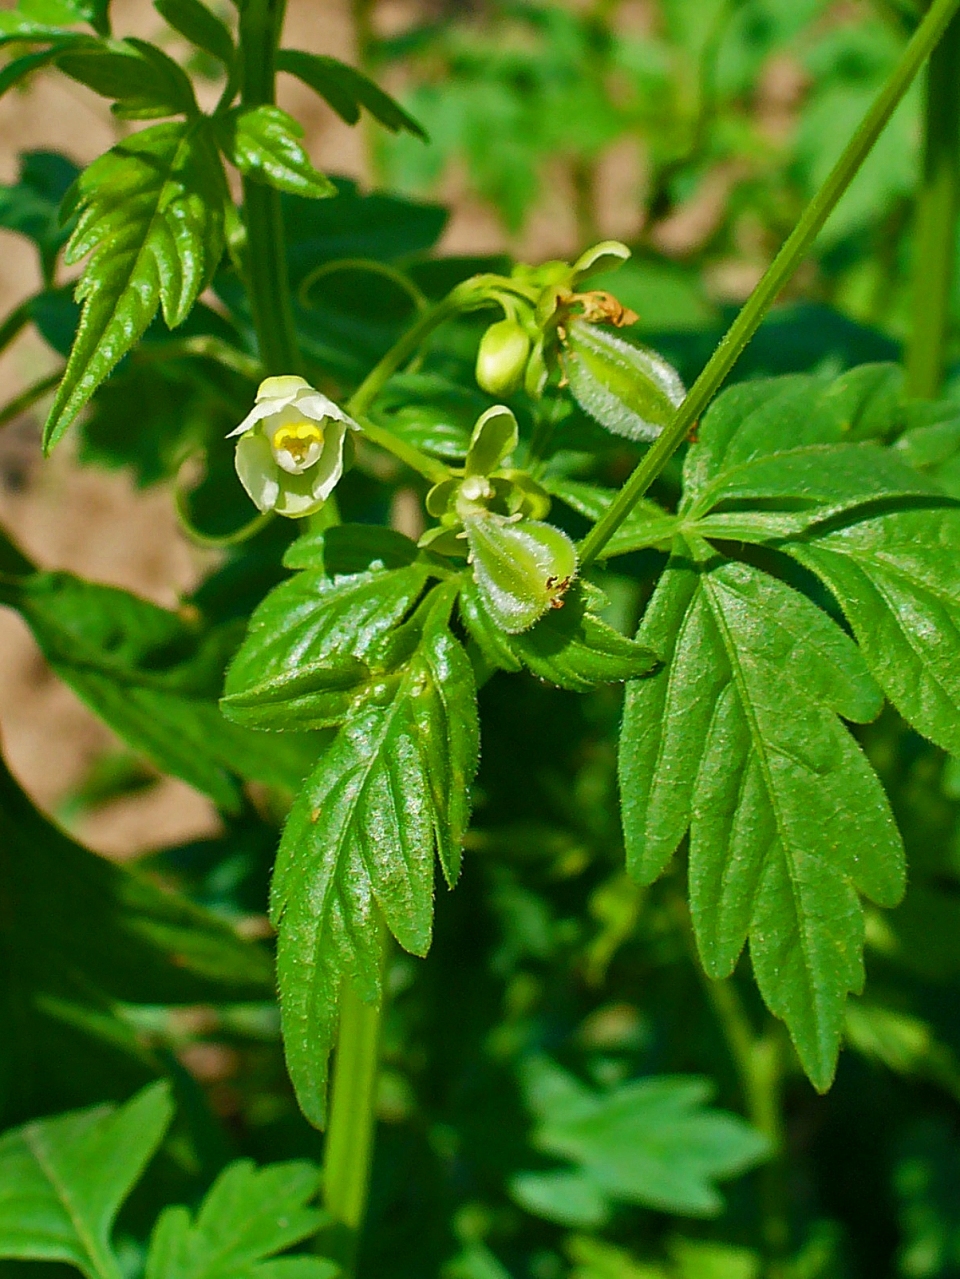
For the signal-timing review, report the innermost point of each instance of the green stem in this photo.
(14, 324)
(266, 264)
(26, 399)
(350, 1132)
(429, 467)
(776, 276)
(937, 207)
(402, 350)
(758, 1061)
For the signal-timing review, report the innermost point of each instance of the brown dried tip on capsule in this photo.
(559, 587)
(600, 307)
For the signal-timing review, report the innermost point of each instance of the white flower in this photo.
(290, 451)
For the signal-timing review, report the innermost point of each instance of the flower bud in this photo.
(522, 567)
(502, 357)
(290, 453)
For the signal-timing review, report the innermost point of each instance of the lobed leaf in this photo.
(264, 144)
(653, 1142)
(736, 739)
(151, 218)
(391, 790)
(897, 579)
(63, 1180)
(647, 524)
(198, 24)
(347, 90)
(247, 1217)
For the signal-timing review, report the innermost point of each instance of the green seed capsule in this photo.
(502, 357)
(522, 568)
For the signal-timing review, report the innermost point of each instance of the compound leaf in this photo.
(737, 739)
(248, 1216)
(264, 144)
(359, 844)
(651, 1141)
(347, 90)
(63, 1180)
(151, 218)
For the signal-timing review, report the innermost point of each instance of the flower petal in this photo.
(258, 472)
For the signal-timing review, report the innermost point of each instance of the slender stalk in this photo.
(267, 279)
(14, 324)
(28, 398)
(402, 350)
(937, 207)
(350, 1132)
(776, 276)
(429, 467)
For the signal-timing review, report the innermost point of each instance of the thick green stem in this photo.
(776, 276)
(350, 1132)
(266, 264)
(937, 207)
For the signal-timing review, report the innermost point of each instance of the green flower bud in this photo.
(502, 357)
(522, 567)
(290, 453)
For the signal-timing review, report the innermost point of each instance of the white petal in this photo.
(325, 477)
(258, 471)
(256, 414)
(316, 406)
(285, 388)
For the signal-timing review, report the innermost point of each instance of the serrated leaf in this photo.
(737, 739)
(651, 1141)
(570, 647)
(347, 90)
(108, 936)
(305, 659)
(248, 1216)
(155, 679)
(200, 26)
(351, 548)
(897, 579)
(151, 214)
(64, 1179)
(134, 73)
(391, 790)
(264, 144)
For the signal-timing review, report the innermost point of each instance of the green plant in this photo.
(782, 611)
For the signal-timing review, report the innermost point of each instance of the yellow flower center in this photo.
(298, 445)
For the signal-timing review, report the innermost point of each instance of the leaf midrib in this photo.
(33, 1139)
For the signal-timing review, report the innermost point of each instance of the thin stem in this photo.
(775, 277)
(937, 207)
(26, 399)
(266, 263)
(14, 324)
(429, 467)
(402, 350)
(350, 1132)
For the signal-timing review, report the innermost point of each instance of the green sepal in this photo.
(494, 438)
(627, 388)
(570, 647)
(522, 567)
(605, 256)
